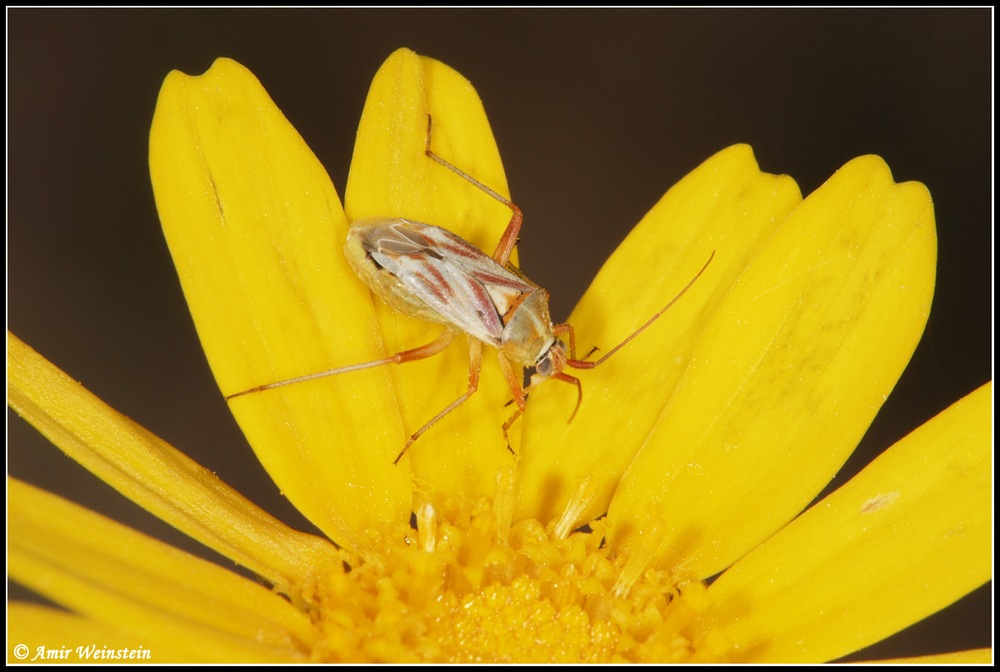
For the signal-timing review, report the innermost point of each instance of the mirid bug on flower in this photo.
(428, 272)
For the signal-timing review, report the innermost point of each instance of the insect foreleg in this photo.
(508, 240)
(514, 378)
(566, 330)
(564, 377)
(507, 426)
(423, 352)
(475, 360)
(519, 399)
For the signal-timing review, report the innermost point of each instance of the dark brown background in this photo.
(596, 113)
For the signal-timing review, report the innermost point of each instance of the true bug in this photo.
(428, 272)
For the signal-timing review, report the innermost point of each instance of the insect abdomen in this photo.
(362, 238)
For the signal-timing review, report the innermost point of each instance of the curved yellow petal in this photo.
(906, 537)
(392, 177)
(726, 205)
(144, 587)
(155, 475)
(256, 231)
(787, 375)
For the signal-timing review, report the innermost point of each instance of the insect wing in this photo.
(462, 285)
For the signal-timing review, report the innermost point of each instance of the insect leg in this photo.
(475, 360)
(514, 382)
(519, 398)
(567, 330)
(508, 240)
(507, 425)
(423, 352)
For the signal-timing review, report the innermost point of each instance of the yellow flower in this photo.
(700, 441)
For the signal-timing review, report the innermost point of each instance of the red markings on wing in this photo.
(459, 248)
(438, 285)
(465, 287)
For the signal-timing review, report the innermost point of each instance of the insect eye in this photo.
(544, 366)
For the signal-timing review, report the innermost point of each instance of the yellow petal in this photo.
(392, 177)
(726, 205)
(144, 587)
(154, 474)
(787, 376)
(906, 537)
(256, 231)
(971, 657)
(50, 635)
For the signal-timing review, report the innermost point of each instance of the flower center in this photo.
(459, 588)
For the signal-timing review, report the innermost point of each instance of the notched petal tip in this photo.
(790, 370)
(391, 176)
(256, 230)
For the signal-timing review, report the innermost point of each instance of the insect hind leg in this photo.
(475, 361)
(508, 240)
(412, 355)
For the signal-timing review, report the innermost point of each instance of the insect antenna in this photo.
(584, 364)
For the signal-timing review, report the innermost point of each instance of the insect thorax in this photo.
(527, 333)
